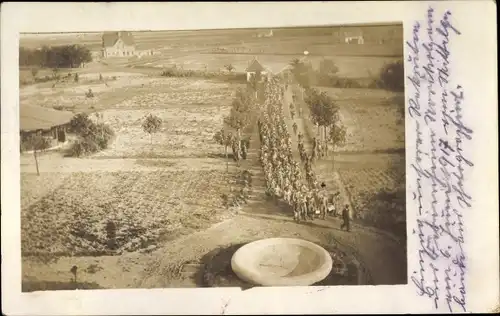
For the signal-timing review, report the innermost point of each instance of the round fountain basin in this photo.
(281, 262)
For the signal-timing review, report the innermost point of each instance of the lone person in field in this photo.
(345, 218)
(244, 149)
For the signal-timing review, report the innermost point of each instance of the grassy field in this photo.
(127, 90)
(145, 208)
(186, 132)
(349, 66)
(372, 117)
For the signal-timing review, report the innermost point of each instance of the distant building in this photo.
(255, 69)
(266, 34)
(118, 44)
(354, 37)
(121, 44)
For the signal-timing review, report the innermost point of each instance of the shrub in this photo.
(392, 76)
(83, 147)
(80, 123)
(93, 136)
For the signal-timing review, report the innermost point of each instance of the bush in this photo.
(82, 147)
(392, 76)
(80, 123)
(93, 136)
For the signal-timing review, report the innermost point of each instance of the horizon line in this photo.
(367, 24)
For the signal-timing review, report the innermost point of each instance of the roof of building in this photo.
(255, 66)
(109, 39)
(32, 117)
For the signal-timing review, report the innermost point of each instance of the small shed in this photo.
(255, 68)
(44, 121)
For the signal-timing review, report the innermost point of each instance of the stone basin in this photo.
(281, 262)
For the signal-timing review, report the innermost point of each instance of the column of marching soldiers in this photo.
(283, 176)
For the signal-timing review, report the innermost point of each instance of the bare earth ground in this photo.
(162, 193)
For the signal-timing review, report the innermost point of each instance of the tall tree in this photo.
(224, 139)
(240, 114)
(337, 136)
(254, 84)
(322, 108)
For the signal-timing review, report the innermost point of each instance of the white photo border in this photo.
(477, 49)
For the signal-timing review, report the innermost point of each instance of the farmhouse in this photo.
(44, 121)
(121, 44)
(118, 44)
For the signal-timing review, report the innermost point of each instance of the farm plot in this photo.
(163, 92)
(185, 132)
(372, 128)
(34, 187)
(377, 195)
(373, 119)
(112, 212)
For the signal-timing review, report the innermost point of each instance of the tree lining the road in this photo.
(325, 113)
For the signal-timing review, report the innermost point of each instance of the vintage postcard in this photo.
(249, 158)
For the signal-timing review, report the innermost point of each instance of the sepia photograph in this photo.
(249, 158)
(213, 158)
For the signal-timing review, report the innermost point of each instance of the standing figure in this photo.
(297, 201)
(244, 149)
(345, 218)
(324, 204)
(311, 206)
